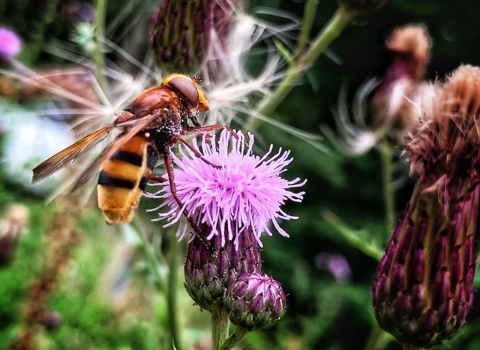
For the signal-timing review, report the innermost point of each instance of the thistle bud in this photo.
(256, 301)
(182, 31)
(211, 269)
(423, 288)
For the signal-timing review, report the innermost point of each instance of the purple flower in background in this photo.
(10, 44)
(336, 264)
(244, 192)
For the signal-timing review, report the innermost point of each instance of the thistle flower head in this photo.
(256, 301)
(423, 288)
(446, 143)
(10, 44)
(245, 191)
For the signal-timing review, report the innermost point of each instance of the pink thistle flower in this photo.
(10, 44)
(244, 192)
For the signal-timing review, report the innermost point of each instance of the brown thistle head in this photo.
(445, 144)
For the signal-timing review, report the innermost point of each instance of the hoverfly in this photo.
(150, 125)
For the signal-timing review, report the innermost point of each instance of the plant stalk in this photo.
(331, 31)
(386, 154)
(307, 22)
(220, 324)
(239, 333)
(172, 302)
(97, 55)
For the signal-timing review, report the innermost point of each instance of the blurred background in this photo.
(89, 286)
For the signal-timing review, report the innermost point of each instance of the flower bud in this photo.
(211, 269)
(255, 301)
(182, 31)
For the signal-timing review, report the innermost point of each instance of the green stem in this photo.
(352, 237)
(234, 338)
(173, 311)
(220, 324)
(307, 22)
(386, 154)
(376, 339)
(331, 31)
(151, 259)
(97, 55)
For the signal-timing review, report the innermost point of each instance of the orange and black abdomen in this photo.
(123, 179)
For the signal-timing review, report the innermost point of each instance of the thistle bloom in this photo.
(10, 44)
(243, 192)
(423, 288)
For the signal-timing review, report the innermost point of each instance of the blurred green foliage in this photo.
(322, 313)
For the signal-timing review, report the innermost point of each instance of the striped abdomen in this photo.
(123, 179)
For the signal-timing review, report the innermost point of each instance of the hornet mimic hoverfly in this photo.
(150, 125)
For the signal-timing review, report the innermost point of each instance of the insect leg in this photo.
(173, 189)
(195, 151)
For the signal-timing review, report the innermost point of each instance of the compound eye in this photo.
(187, 88)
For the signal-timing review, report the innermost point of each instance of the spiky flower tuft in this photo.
(423, 287)
(244, 191)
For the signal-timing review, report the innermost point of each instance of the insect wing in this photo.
(69, 154)
(110, 150)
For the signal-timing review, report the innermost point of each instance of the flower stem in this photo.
(355, 238)
(151, 259)
(97, 55)
(376, 339)
(331, 31)
(386, 154)
(220, 324)
(308, 17)
(234, 338)
(172, 304)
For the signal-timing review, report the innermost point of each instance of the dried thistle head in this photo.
(411, 42)
(446, 144)
(391, 103)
